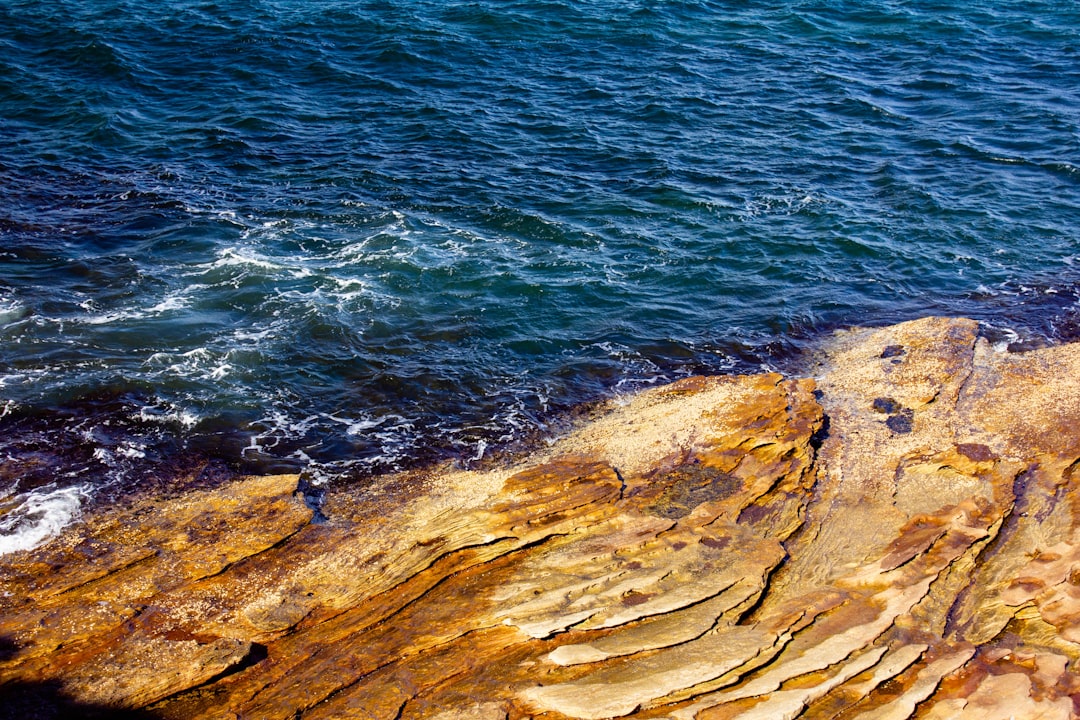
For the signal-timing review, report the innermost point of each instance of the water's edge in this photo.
(42, 448)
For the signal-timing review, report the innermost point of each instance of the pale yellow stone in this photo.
(1002, 697)
(622, 690)
(925, 683)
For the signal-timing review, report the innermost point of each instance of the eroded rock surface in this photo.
(897, 537)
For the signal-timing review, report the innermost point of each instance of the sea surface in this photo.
(350, 237)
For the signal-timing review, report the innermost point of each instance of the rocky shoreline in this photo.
(896, 536)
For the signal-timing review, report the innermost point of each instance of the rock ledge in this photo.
(897, 537)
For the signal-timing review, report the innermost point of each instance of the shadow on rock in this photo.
(47, 701)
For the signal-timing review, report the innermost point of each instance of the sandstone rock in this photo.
(897, 537)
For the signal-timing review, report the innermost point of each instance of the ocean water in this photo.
(347, 237)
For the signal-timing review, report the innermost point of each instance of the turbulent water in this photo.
(344, 237)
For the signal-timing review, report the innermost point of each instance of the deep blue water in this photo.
(349, 236)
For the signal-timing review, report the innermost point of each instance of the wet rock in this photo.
(901, 422)
(885, 405)
(701, 550)
(892, 351)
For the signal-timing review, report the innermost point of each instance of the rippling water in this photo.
(349, 236)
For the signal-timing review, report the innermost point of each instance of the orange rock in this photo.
(898, 536)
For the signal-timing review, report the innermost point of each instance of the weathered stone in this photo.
(897, 537)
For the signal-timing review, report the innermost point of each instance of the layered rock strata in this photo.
(897, 537)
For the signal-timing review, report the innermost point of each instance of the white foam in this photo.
(167, 414)
(220, 371)
(11, 310)
(1009, 336)
(279, 427)
(351, 289)
(228, 216)
(199, 363)
(39, 515)
(176, 300)
(23, 378)
(253, 446)
(132, 450)
(636, 383)
(233, 256)
(256, 336)
(786, 204)
(109, 318)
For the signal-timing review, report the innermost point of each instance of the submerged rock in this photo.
(897, 537)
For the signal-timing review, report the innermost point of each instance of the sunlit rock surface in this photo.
(897, 537)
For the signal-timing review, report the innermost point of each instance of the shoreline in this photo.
(743, 545)
(178, 462)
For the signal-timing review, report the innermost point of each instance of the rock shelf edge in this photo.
(897, 536)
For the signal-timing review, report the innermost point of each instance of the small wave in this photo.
(177, 300)
(318, 473)
(358, 427)
(380, 443)
(166, 414)
(171, 302)
(254, 336)
(1001, 336)
(786, 204)
(11, 310)
(228, 216)
(231, 257)
(279, 426)
(389, 431)
(199, 364)
(1065, 168)
(27, 376)
(348, 290)
(33, 518)
(114, 458)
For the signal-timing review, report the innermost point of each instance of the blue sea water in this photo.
(346, 237)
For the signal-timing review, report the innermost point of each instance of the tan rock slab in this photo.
(895, 535)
